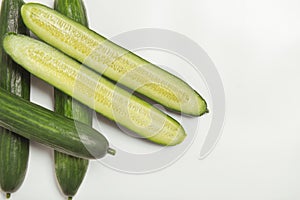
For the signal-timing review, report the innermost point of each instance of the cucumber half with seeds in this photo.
(93, 90)
(111, 60)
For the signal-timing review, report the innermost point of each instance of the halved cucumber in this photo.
(113, 61)
(93, 90)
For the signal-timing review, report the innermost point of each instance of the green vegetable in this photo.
(51, 129)
(93, 90)
(71, 170)
(14, 149)
(111, 60)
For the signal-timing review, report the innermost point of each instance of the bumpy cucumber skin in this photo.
(49, 128)
(94, 90)
(70, 171)
(14, 149)
(113, 61)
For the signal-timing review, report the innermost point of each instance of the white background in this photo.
(255, 45)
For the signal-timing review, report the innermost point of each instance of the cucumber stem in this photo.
(111, 151)
(70, 198)
(8, 195)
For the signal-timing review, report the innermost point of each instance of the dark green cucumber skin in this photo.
(49, 128)
(73, 9)
(14, 149)
(70, 171)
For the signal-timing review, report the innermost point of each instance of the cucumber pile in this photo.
(84, 68)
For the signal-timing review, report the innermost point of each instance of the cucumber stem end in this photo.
(111, 151)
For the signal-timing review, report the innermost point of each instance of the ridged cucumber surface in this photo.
(93, 90)
(14, 149)
(70, 171)
(51, 129)
(111, 60)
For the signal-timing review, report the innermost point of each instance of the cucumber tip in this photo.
(111, 151)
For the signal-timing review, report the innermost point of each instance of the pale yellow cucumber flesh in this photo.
(93, 90)
(112, 60)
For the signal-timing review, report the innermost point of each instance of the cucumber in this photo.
(14, 149)
(51, 129)
(70, 170)
(111, 60)
(93, 90)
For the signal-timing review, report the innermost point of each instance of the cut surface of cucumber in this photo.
(111, 60)
(93, 90)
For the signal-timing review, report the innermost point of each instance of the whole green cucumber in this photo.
(70, 170)
(51, 129)
(111, 60)
(14, 149)
(94, 90)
